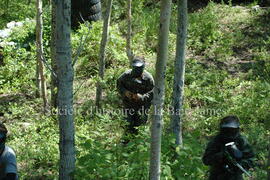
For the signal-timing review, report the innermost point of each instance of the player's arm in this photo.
(248, 155)
(11, 176)
(213, 154)
(148, 96)
(11, 166)
(151, 83)
(121, 87)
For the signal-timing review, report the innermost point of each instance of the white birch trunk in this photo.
(102, 51)
(162, 56)
(129, 36)
(40, 53)
(53, 54)
(65, 90)
(179, 72)
(38, 80)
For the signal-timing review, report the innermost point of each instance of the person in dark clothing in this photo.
(217, 151)
(135, 87)
(8, 164)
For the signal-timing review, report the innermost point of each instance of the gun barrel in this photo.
(243, 170)
(233, 161)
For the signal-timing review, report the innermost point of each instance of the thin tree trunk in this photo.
(38, 80)
(53, 54)
(162, 56)
(40, 52)
(179, 72)
(129, 50)
(103, 44)
(65, 90)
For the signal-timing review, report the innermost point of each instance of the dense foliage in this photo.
(227, 72)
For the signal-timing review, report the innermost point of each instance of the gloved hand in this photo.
(133, 96)
(129, 94)
(145, 96)
(137, 97)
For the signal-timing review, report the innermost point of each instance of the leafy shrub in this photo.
(11, 10)
(88, 60)
(204, 29)
(18, 72)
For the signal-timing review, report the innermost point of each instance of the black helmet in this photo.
(138, 63)
(3, 129)
(137, 67)
(230, 122)
(3, 135)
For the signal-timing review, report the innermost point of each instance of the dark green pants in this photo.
(135, 117)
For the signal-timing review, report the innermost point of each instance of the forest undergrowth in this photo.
(227, 72)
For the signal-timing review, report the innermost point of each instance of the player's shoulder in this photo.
(8, 152)
(242, 140)
(126, 73)
(216, 139)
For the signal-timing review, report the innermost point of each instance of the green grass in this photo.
(227, 72)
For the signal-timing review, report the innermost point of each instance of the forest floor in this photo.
(227, 72)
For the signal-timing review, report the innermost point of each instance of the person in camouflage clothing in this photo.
(215, 157)
(135, 87)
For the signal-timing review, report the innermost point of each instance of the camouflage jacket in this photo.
(143, 85)
(214, 158)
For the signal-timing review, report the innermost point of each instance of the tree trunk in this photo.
(38, 80)
(103, 44)
(40, 52)
(129, 51)
(162, 56)
(53, 54)
(179, 72)
(65, 90)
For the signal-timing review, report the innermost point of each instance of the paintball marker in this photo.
(232, 160)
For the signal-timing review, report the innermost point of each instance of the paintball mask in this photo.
(2, 140)
(3, 135)
(137, 67)
(229, 127)
(229, 133)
